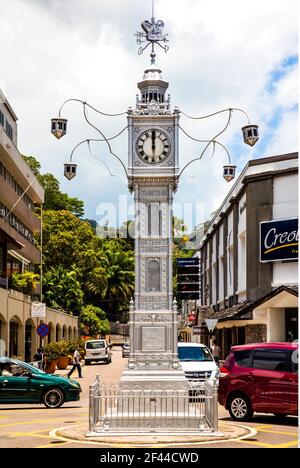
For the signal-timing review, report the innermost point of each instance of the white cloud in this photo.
(221, 54)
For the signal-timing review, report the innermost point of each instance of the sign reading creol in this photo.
(279, 240)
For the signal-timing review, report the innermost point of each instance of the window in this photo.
(270, 360)
(193, 353)
(153, 276)
(1, 118)
(8, 130)
(242, 358)
(95, 345)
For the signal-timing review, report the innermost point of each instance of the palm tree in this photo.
(118, 263)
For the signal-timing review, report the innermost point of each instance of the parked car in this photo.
(23, 383)
(260, 378)
(97, 351)
(197, 363)
(125, 350)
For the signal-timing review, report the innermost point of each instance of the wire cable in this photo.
(87, 104)
(105, 139)
(216, 113)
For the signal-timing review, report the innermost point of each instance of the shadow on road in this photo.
(39, 407)
(269, 419)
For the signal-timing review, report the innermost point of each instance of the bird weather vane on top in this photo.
(153, 34)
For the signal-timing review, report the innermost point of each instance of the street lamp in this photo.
(58, 127)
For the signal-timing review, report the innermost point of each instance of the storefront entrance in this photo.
(291, 324)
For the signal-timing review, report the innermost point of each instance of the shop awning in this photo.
(244, 309)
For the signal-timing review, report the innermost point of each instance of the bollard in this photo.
(215, 419)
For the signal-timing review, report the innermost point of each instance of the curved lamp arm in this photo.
(209, 142)
(93, 155)
(104, 138)
(91, 107)
(230, 109)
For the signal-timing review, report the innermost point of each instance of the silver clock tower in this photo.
(153, 177)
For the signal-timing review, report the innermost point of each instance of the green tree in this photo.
(118, 263)
(94, 320)
(63, 289)
(66, 240)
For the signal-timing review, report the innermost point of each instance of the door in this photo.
(291, 324)
(269, 382)
(293, 383)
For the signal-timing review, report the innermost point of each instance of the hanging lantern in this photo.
(229, 172)
(59, 127)
(70, 170)
(251, 134)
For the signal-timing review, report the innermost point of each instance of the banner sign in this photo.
(279, 240)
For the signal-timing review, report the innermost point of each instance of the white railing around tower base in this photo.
(144, 409)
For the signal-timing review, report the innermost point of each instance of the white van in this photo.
(97, 351)
(197, 362)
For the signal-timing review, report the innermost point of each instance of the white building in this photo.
(249, 256)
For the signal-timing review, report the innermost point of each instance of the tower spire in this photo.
(152, 34)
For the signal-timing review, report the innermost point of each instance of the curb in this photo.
(154, 440)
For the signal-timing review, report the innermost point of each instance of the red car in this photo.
(260, 378)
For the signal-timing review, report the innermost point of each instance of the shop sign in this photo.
(279, 240)
(200, 330)
(38, 310)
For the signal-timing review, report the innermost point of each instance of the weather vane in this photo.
(153, 34)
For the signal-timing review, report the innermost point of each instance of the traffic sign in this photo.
(211, 324)
(43, 330)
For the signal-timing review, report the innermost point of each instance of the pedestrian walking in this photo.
(38, 358)
(216, 351)
(76, 364)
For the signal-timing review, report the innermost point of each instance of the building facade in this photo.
(19, 192)
(249, 257)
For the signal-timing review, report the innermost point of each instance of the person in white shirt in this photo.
(76, 364)
(216, 352)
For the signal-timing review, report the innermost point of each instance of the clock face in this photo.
(153, 146)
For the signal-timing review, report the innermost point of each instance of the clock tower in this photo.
(153, 177)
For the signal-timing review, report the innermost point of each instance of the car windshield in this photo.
(194, 353)
(95, 345)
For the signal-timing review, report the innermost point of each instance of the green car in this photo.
(23, 383)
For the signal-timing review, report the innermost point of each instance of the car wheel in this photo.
(87, 363)
(240, 408)
(53, 398)
(108, 361)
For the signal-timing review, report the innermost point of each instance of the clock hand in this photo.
(153, 140)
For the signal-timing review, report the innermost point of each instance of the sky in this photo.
(222, 54)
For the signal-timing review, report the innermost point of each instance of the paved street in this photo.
(34, 426)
